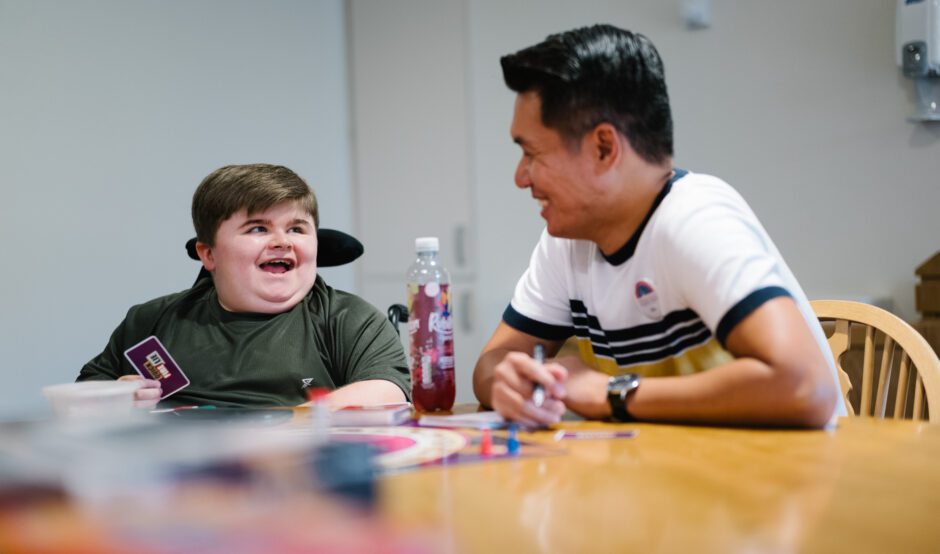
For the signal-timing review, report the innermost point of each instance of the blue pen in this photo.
(538, 391)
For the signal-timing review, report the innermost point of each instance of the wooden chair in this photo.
(902, 348)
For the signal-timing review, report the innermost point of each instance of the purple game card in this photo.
(151, 359)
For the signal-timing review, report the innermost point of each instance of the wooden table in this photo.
(867, 486)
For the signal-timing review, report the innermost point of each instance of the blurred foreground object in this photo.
(92, 399)
(158, 484)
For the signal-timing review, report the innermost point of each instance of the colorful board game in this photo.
(406, 447)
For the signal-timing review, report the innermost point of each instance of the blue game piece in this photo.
(512, 440)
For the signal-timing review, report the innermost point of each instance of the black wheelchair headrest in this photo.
(333, 248)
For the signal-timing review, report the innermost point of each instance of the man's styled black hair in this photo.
(594, 75)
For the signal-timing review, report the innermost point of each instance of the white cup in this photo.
(92, 399)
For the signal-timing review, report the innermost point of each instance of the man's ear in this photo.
(606, 145)
(205, 255)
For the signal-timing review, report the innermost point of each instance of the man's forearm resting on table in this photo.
(744, 391)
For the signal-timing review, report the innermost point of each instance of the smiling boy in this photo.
(264, 327)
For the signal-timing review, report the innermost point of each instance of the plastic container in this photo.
(430, 330)
(92, 399)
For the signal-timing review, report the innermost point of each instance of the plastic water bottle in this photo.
(430, 330)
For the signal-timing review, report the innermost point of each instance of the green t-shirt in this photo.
(329, 339)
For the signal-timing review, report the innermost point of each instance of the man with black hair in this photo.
(682, 307)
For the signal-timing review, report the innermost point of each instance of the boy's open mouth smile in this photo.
(278, 265)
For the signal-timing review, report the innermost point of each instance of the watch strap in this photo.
(618, 394)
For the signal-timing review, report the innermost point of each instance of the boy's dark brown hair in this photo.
(252, 187)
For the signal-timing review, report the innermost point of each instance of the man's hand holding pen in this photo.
(529, 390)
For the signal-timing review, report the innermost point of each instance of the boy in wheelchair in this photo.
(263, 327)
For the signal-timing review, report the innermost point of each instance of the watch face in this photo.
(618, 388)
(620, 382)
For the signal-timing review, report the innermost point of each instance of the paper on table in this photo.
(371, 415)
(476, 420)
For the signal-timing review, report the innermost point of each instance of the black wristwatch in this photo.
(618, 393)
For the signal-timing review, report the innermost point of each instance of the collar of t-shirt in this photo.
(626, 251)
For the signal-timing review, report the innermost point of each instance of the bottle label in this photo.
(426, 371)
(431, 333)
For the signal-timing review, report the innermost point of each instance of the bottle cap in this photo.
(427, 244)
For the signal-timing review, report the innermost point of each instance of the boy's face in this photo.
(263, 262)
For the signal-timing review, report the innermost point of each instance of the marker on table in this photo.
(594, 435)
(538, 391)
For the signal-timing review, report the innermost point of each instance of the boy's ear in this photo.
(205, 255)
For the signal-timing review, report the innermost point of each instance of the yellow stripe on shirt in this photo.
(693, 360)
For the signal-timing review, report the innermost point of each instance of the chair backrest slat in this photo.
(900, 398)
(884, 377)
(839, 344)
(868, 365)
(918, 399)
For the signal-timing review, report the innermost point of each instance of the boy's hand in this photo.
(148, 394)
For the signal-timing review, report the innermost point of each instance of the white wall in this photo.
(413, 180)
(797, 104)
(111, 112)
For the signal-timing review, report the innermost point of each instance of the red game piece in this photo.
(486, 443)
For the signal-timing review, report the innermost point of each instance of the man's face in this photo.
(263, 262)
(561, 181)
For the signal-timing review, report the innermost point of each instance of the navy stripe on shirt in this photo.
(535, 328)
(745, 307)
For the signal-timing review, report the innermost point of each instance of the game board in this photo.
(408, 447)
